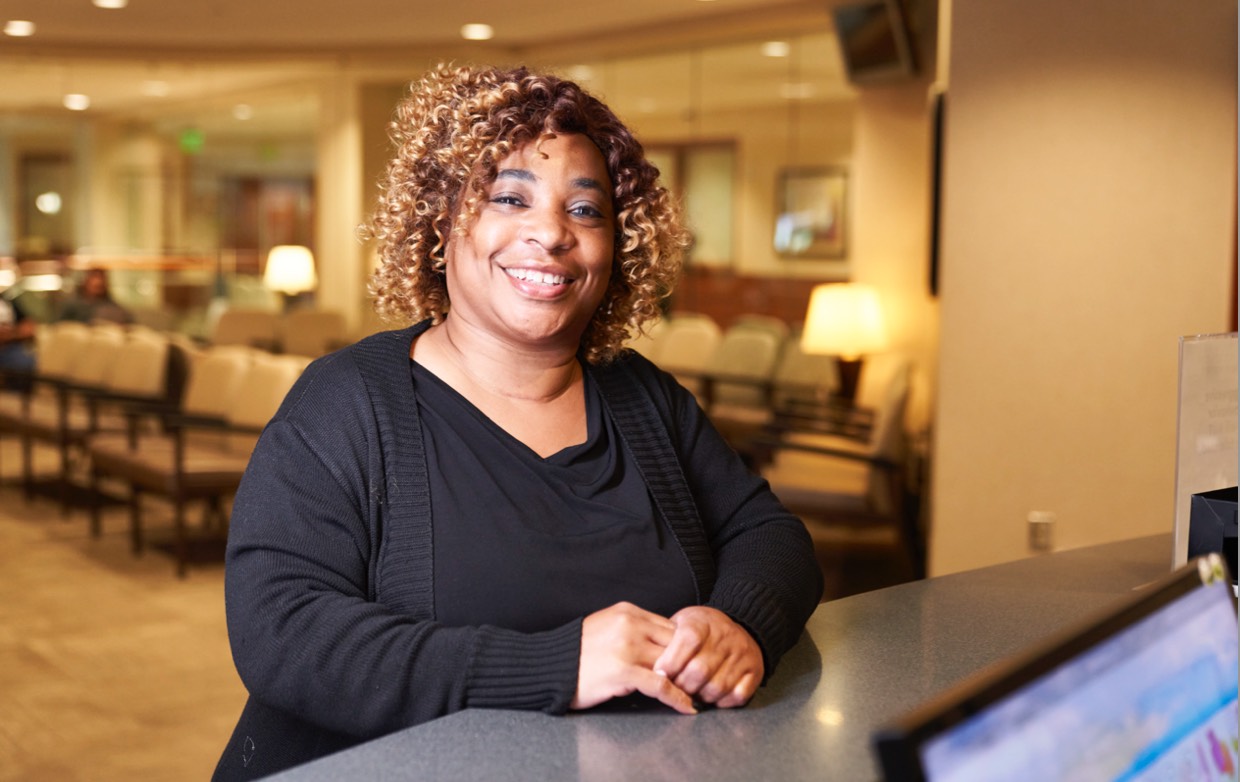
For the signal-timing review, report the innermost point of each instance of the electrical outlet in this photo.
(1041, 531)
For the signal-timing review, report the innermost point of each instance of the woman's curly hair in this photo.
(451, 132)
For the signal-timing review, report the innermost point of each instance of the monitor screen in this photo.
(874, 41)
(1147, 694)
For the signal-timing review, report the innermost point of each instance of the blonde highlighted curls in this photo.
(451, 132)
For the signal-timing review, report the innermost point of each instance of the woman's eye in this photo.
(586, 210)
(507, 199)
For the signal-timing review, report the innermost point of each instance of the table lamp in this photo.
(844, 320)
(290, 270)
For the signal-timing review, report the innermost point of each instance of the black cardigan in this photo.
(330, 561)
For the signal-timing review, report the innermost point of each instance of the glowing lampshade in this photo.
(845, 320)
(290, 269)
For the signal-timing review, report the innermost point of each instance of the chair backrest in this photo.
(215, 377)
(312, 332)
(141, 365)
(59, 346)
(745, 351)
(650, 343)
(247, 327)
(801, 376)
(686, 347)
(96, 362)
(263, 388)
(884, 387)
(768, 322)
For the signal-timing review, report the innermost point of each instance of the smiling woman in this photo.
(501, 506)
(467, 120)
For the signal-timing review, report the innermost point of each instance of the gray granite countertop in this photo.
(862, 661)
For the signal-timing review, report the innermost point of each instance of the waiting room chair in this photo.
(311, 332)
(739, 378)
(685, 348)
(649, 343)
(202, 449)
(855, 479)
(251, 327)
(112, 367)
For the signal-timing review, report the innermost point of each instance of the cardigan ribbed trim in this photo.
(645, 437)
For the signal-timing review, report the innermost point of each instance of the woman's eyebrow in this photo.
(525, 175)
(589, 183)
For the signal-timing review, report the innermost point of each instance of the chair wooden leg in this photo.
(135, 520)
(64, 479)
(96, 505)
(182, 549)
(27, 468)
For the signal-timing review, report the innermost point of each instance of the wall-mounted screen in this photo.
(874, 41)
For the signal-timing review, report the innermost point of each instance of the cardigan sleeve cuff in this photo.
(757, 608)
(526, 671)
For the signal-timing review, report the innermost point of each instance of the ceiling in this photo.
(274, 55)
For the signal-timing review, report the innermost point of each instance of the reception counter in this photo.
(863, 660)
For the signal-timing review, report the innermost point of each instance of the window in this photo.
(702, 176)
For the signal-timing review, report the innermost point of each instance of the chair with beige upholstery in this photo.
(741, 370)
(313, 333)
(685, 348)
(251, 327)
(802, 377)
(110, 367)
(650, 342)
(204, 449)
(829, 479)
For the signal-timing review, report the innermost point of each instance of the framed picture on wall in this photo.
(811, 214)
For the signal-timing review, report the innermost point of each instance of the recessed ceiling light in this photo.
(110, 3)
(776, 49)
(76, 101)
(477, 32)
(19, 28)
(243, 111)
(156, 88)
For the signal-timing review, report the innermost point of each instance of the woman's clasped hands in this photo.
(697, 654)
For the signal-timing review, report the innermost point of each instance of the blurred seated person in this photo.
(17, 359)
(501, 506)
(92, 301)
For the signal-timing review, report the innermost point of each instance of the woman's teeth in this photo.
(542, 278)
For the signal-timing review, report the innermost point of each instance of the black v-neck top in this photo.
(529, 543)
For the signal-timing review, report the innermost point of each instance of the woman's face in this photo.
(537, 260)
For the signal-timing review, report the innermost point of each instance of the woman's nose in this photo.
(547, 227)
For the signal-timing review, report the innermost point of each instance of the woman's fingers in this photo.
(619, 646)
(659, 687)
(711, 657)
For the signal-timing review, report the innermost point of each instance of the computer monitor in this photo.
(1145, 692)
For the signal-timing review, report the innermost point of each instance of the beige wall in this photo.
(1089, 221)
(891, 167)
(822, 136)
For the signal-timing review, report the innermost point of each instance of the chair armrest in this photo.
(777, 444)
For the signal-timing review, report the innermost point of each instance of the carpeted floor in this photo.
(110, 666)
